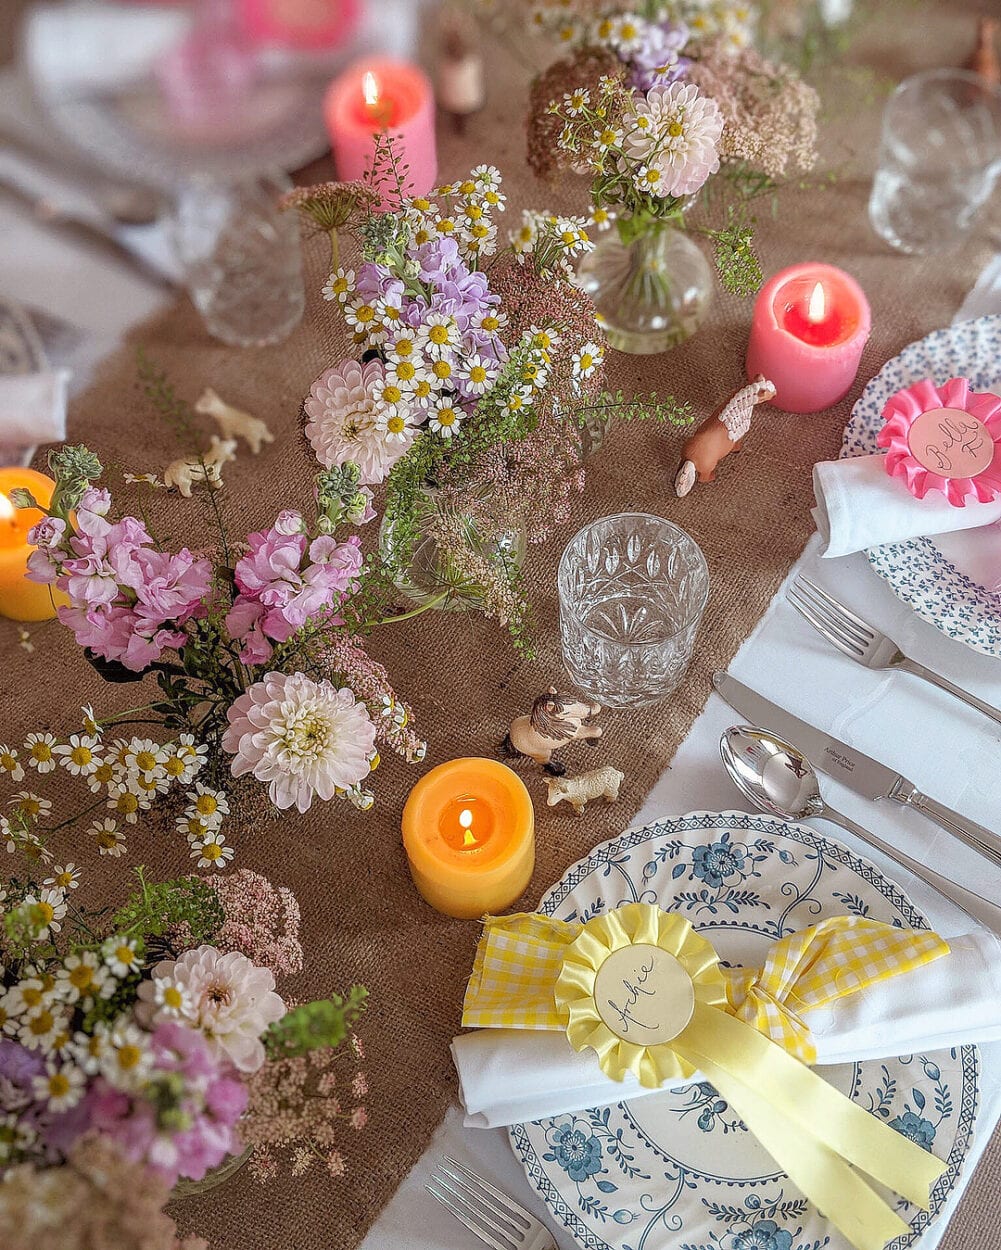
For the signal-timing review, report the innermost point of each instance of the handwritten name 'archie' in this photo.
(634, 991)
(966, 435)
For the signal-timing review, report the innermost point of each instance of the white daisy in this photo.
(576, 101)
(194, 828)
(16, 1137)
(587, 360)
(211, 805)
(127, 1058)
(48, 909)
(89, 1049)
(339, 285)
(446, 417)
(28, 994)
(438, 335)
(171, 998)
(60, 1087)
(82, 976)
(486, 176)
(212, 852)
(443, 371)
(64, 877)
(90, 723)
(126, 804)
(31, 805)
(103, 775)
(10, 764)
(110, 839)
(477, 374)
(144, 757)
(42, 1028)
(39, 749)
(397, 427)
(119, 955)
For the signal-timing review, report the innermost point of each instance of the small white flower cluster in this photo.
(37, 1011)
(131, 773)
(730, 21)
(462, 211)
(555, 241)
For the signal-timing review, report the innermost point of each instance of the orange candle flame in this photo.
(818, 304)
(7, 509)
(378, 109)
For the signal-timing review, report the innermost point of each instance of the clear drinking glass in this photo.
(939, 158)
(632, 591)
(242, 258)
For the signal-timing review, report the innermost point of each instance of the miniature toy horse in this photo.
(555, 720)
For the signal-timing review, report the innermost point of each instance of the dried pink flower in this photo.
(262, 921)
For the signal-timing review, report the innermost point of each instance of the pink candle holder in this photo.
(810, 324)
(376, 96)
(944, 438)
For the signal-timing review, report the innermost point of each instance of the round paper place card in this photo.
(644, 995)
(944, 438)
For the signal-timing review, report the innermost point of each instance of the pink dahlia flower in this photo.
(344, 411)
(676, 131)
(228, 999)
(302, 737)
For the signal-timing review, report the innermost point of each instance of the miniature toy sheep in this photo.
(233, 422)
(579, 791)
(187, 472)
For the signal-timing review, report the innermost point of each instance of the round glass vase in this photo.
(187, 1188)
(429, 576)
(652, 292)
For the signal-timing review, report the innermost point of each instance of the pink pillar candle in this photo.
(300, 23)
(381, 95)
(810, 325)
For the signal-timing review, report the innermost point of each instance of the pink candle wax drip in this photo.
(809, 327)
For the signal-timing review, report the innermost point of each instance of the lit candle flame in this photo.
(818, 304)
(370, 90)
(466, 821)
(7, 509)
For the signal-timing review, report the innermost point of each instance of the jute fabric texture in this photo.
(362, 919)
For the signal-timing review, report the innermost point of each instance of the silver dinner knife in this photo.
(848, 765)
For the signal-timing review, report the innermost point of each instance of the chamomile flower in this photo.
(194, 828)
(46, 911)
(571, 235)
(110, 839)
(27, 995)
(480, 238)
(390, 394)
(543, 338)
(211, 805)
(64, 877)
(576, 101)
(361, 315)
(40, 751)
(446, 225)
(397, 427)
(477, 375)
(31, 805)
(534, 373)
(126, 803)
(212, 853)
(103, 775)
(339, 285)
(90, 721)
(89, 1049)
(486, 176)
(495, 200)
(59, 1088)
(120, 956)
(401, 374)
(423, 389)
(523, 239)
(78, 756)
(42, 1028)
(608, 136)
(519, 399)
(16, 1137)
(438, 335)
(648, 178)
(492, 321)
(10, 765)
(82, 977)
(171, 999)
(402, 346)
(600, 217)
(443, 371)
(145, 757)
(196, 752)
(127, 1059)
(587, 360)
(627, 33)
(446, 417)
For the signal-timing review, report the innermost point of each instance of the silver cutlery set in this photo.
(779, 778)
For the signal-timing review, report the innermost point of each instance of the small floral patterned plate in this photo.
(919, 571)
(678, 1170)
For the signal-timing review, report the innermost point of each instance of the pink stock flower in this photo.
(173, 587)
(244, 622)
(49, 532)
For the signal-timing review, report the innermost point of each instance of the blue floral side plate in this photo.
(678, 1170)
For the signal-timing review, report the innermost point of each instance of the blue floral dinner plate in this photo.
(678, 1170)
(939, 577)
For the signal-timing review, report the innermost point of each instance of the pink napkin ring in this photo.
(945, 438)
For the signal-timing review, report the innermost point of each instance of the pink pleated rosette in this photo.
(945, 438)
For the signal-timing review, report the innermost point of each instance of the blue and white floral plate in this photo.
(678, 1170)
(940, 578)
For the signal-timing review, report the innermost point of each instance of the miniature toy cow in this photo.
(233, 422)
(188, 472)
(719, 434)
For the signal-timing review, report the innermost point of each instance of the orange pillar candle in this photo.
(469, 834)
(20, 599)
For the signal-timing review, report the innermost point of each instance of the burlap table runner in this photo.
(362, 919)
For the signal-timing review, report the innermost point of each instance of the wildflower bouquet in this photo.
(152, 1038)
(479, 386)
(652, 104)
(255, 646)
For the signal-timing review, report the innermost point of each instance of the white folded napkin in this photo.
(860, 506)
(32, 411)
(508, 1076)
(73, 49)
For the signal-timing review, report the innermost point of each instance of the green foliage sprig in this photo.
(158, 906)
(320, 1025)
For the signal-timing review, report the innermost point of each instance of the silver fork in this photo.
(865, 644)
(495, 1218)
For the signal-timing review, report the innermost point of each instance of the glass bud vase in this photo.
(651, 293)
(432, 577)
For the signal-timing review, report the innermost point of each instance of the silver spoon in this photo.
(779, 780)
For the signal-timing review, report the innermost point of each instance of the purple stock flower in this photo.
(658, 59)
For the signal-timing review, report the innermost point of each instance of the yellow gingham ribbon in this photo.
(745, 1033)
(519, 958)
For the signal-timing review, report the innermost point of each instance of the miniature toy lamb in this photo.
(600, 783)
(233, 422)
(188, 472)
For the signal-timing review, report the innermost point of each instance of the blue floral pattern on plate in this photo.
(678, 1170)
(917, 571)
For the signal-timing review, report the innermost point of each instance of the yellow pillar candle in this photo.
(20, 599)
(469, 834)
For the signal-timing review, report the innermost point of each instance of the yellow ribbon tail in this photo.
(811, 1130)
